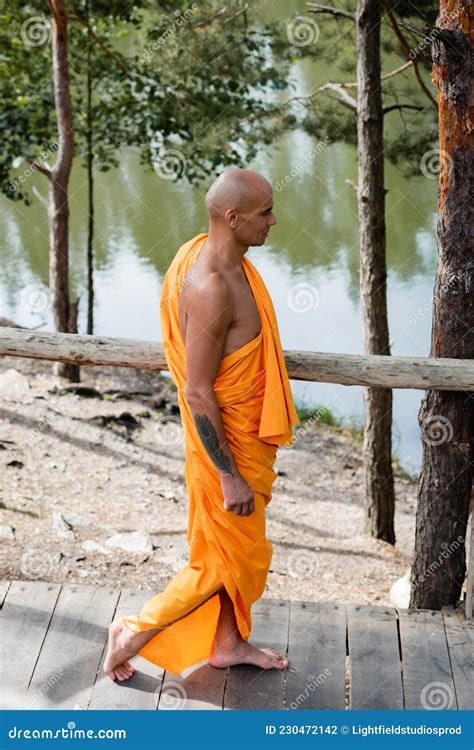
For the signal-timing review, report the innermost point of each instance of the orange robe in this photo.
(258, 412)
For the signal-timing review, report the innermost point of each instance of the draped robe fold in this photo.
(225, 550)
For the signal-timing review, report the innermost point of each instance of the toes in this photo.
(122, 674)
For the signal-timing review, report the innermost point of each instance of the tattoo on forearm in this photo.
(210, 440)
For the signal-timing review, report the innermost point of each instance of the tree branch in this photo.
(393, 22)
(315, 8)
(39, 168)
(344, 98)
(40, 197)
(391, 107)
(114, 57)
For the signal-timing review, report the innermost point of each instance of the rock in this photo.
(75, 519)
(133, 541)
(91, 546)
(62, 527)
(14, 386)
(400, 591)
(6, 323)
(168, 494)
(80, 390)
(7, 532)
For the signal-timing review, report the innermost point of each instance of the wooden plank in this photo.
(462, 658)
(24, 621)
(317, 656)
(375, 665)
(470, 568)
(4, 586)
(140, 692)
(427, 677)
(248, 686)
(373, 370)
(468, 625)
(73, 646)
(201, 688)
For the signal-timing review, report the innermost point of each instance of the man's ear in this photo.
(231, 217)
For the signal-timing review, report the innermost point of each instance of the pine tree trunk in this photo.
(58, 192)
(90, 188)
(446, 418)
(380, 493)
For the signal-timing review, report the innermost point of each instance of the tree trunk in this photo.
(90, 188)
(380, 494)
(446, 418)
(58, 187)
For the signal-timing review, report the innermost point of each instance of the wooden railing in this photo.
(425, 373)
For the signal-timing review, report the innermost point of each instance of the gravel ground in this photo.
(79, 469)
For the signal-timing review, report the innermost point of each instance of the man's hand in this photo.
(238, 497)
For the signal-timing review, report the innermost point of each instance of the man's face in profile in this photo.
(253, 226)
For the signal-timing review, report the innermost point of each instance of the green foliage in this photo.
(196, 82)
(326, 115)
(192, 87)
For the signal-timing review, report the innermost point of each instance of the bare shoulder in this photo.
(207, 295)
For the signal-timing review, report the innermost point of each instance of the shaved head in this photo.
(238, 189)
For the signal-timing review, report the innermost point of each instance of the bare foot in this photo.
(243, 652)
(116, 665)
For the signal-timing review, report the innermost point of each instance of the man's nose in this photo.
(273, 220)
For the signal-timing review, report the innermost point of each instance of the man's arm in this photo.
(209, 308)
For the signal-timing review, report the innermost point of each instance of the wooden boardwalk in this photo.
(53, 638)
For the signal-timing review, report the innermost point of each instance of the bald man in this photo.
(218, 315)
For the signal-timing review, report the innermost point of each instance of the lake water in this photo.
(141, 220)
